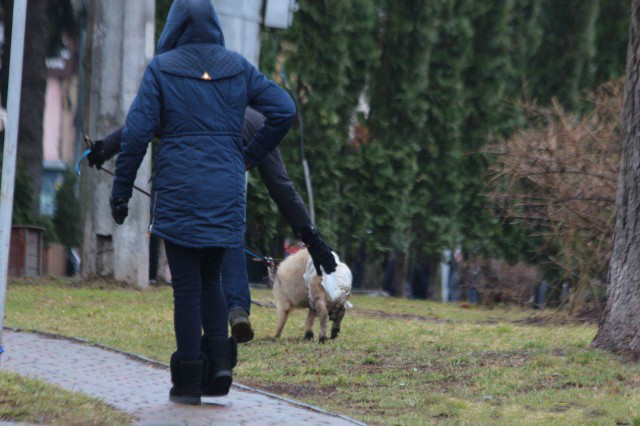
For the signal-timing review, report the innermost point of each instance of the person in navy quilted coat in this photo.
(194, 94)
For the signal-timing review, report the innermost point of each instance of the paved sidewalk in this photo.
(141, 389)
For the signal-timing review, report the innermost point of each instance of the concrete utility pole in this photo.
(120, 44)
(241, 20)
(11, 147)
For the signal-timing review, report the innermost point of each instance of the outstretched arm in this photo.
(283, 192)
(275, 176)
(276, 106)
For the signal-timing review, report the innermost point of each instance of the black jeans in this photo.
(198, 300)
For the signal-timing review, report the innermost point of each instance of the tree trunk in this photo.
(34, 84)
(620, 328)
(435, 281)
(400, 277)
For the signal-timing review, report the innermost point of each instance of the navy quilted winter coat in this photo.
(194, 94)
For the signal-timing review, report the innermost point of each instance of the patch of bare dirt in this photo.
(382, 314)
(295, 390)
(557, 319)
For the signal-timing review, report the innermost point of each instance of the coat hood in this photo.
(190, 21)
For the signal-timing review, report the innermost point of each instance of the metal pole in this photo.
(307, 179)
(10, 147)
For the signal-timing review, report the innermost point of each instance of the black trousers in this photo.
(198, 300)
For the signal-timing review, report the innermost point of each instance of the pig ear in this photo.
(349, 305)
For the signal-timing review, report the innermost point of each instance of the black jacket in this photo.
(272, 170)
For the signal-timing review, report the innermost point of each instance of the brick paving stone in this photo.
(142, 389)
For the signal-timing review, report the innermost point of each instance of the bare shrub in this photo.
(559, 175)
(496, 281)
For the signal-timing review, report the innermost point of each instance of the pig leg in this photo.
(283, 313)
(308, 327)
(323, 314)
(335, 328)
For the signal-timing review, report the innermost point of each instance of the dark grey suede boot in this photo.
(222, 355)
(240, 325)
(187, 378)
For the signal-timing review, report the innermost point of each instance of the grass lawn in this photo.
(32, 401)
(397, 362)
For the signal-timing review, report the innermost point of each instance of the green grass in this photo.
(32, 401)
(427, 364)
(439, 311)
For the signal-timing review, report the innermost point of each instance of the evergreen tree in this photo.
(34, 82)
(563, 66)
(67, 217)
(612, 36)
(399, 116)
(525, 32)
(363, 52)
(489, 94)
(443, 79)
(438, 182)
(22, 196)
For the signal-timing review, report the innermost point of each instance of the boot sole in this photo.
(220, 384)
(188, 400)
(242, 331)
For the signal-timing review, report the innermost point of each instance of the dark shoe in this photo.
(222, 355)
(186, 377)
(240, 325)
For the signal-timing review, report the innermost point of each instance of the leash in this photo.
(85, 154)
(269, 261)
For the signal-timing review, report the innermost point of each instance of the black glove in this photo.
(318, 249)
(96, 157)
(119, 209)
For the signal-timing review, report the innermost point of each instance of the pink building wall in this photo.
(59, 133)
(52, 131)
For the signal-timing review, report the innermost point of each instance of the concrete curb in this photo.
(160, 365)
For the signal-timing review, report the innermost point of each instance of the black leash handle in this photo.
(90, 146)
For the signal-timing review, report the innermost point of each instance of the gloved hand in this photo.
(119, 209)
(318, 249)
(96, 157)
